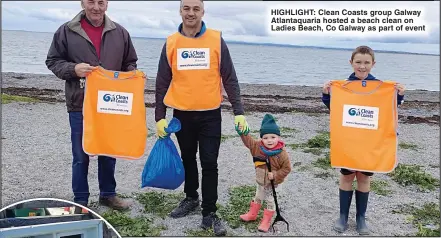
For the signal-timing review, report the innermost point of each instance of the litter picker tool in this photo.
(278, 216)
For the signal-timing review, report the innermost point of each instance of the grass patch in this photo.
(226, 137)
(314, 151)
(424, 231)
(295, 146)
(413, 175)
(6, 98)
(314, 145)
(323, 175)
(158, 203)
(239, 204)
(203, 233)
(409, 146)
(127, 226)
(288, 130)
(319, 141)
(425, 219)
(380, 187)
(306, 149)
(323, 162)
(200, 232)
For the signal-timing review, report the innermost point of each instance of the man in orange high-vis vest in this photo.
(90, 39)
(194, 64)
(362, 61)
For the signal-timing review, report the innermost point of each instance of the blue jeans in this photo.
(80, 165)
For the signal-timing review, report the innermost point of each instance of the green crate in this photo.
(29, 212)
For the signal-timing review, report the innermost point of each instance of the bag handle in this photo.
(344, 86)
(173, 126)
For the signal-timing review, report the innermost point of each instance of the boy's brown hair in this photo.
(363, 50)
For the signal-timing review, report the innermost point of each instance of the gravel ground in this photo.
(36, 162)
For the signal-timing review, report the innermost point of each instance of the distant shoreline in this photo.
(151, 80)
(271, 44)
(50, 81)
(419, 106)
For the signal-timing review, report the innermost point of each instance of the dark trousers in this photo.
(80, 165)
(203, 127)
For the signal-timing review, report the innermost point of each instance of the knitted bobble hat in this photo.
(269, 126)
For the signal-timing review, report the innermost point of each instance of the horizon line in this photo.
(270, 44)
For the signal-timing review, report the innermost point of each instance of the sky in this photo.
(247, 21)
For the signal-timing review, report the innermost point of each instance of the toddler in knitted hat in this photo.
(268, 146)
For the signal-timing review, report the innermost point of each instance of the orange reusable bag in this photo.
(114, 114)
(363, 125)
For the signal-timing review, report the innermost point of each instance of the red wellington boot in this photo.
(251, 215)
(266, 220)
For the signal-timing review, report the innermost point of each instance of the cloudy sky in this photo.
(239, 21)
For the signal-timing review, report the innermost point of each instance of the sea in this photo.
(25, 52)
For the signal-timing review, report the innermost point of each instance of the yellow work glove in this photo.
(240, 120)
(160, 128)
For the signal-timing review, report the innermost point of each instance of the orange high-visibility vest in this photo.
(196, 82)
(114, 114)
(363, 125)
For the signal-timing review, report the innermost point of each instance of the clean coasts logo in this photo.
(361, 112)
(193, 58)
(116, 98)
(115, 102)
(347, 22)
(195, 54)
(360, 117)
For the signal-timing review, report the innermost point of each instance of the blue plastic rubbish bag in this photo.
(164, 168)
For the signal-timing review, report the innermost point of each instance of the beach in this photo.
(36, 158)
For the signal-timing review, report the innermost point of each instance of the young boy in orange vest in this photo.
(269, 145)
(362, 61)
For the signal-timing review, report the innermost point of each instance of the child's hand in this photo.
(400, 88)
(239, 129)
(270, 175)
(326, 87)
